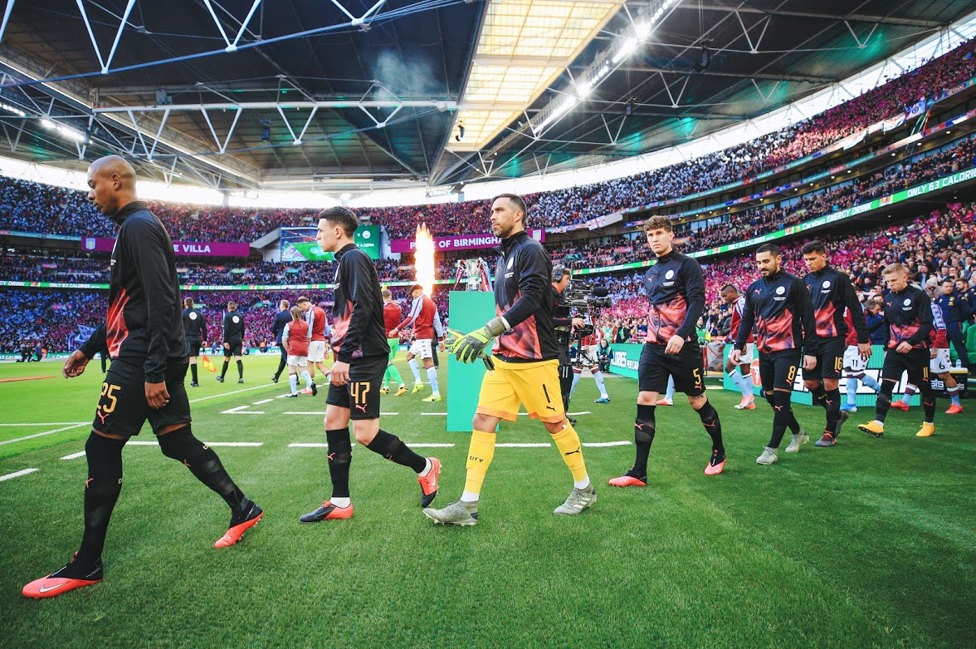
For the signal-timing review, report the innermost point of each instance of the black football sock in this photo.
(710, 420)
(644, 428)
(832, 404)
(340, 457)
(223, 370)
(883, 404)
(193, 371)
(102, 489)
(203, 463)
(782, 416)
(392, 448)
(819, 395)
(240, 369)
(928, 400)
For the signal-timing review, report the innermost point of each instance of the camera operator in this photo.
(564, 325)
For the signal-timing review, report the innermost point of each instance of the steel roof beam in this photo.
(447, 104)
(867, 18)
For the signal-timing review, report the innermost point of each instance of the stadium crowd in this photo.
(941, 244)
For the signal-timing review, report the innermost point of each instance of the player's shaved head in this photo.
(111, 184)
(113, 165)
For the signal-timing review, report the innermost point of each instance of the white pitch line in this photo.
(412, 445)
(262, 402)
(605, 444)
(74, 456)
(50, 423)
(322, 412)
(16, 474)
(433, 414)
(232, 392)
(520, 445)
(139, 442)
(236, 444)
(238, 409)
(42, 434)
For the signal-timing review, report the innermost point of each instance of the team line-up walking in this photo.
(815, 324)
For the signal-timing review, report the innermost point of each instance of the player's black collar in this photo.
(510, 241)
(344, 249)
(127, 211)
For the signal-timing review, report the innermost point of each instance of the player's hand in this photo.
(394, 333)
(440, 345)
(903, 347)
(157, 395)
(865, 349)
(577, 323)
(340, 373)
(75, 365)
(226, 345)
(735, 357)
(809, 362)
(675, 343)
(473, 344)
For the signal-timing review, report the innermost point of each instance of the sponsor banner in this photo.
(181, 248)
(463, 242)
(36, 235)
(301, 244)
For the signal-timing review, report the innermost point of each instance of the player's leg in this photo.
(412, 353)
(891, 372)
(537, 388)
(497, 400)
(365, 378)
(339, 505)
(171, 424)
(431, 371)
(919, 374)
(688, 376)
(652, 378)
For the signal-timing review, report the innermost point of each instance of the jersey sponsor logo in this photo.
(192, 315)
(669, 274)
(235, 319)
(780, 290)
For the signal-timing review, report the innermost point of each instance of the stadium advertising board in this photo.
(181, 248)
(300, 244)
(464, 242)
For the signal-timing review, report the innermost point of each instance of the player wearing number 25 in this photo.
(143, 333)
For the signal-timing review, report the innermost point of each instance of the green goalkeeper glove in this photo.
(473, 344)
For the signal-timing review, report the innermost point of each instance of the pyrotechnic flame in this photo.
(424, 258)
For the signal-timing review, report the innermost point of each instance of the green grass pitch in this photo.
(868, 544)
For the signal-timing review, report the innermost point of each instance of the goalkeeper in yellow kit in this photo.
(525, 365)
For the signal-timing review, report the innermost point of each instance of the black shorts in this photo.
(122, 407)
(777, 370)
(915, 363)
(830, 359)
(686, 367)
(361, 395)
(194, 346)
(234, 348)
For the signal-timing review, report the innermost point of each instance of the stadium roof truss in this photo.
(345, 96)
